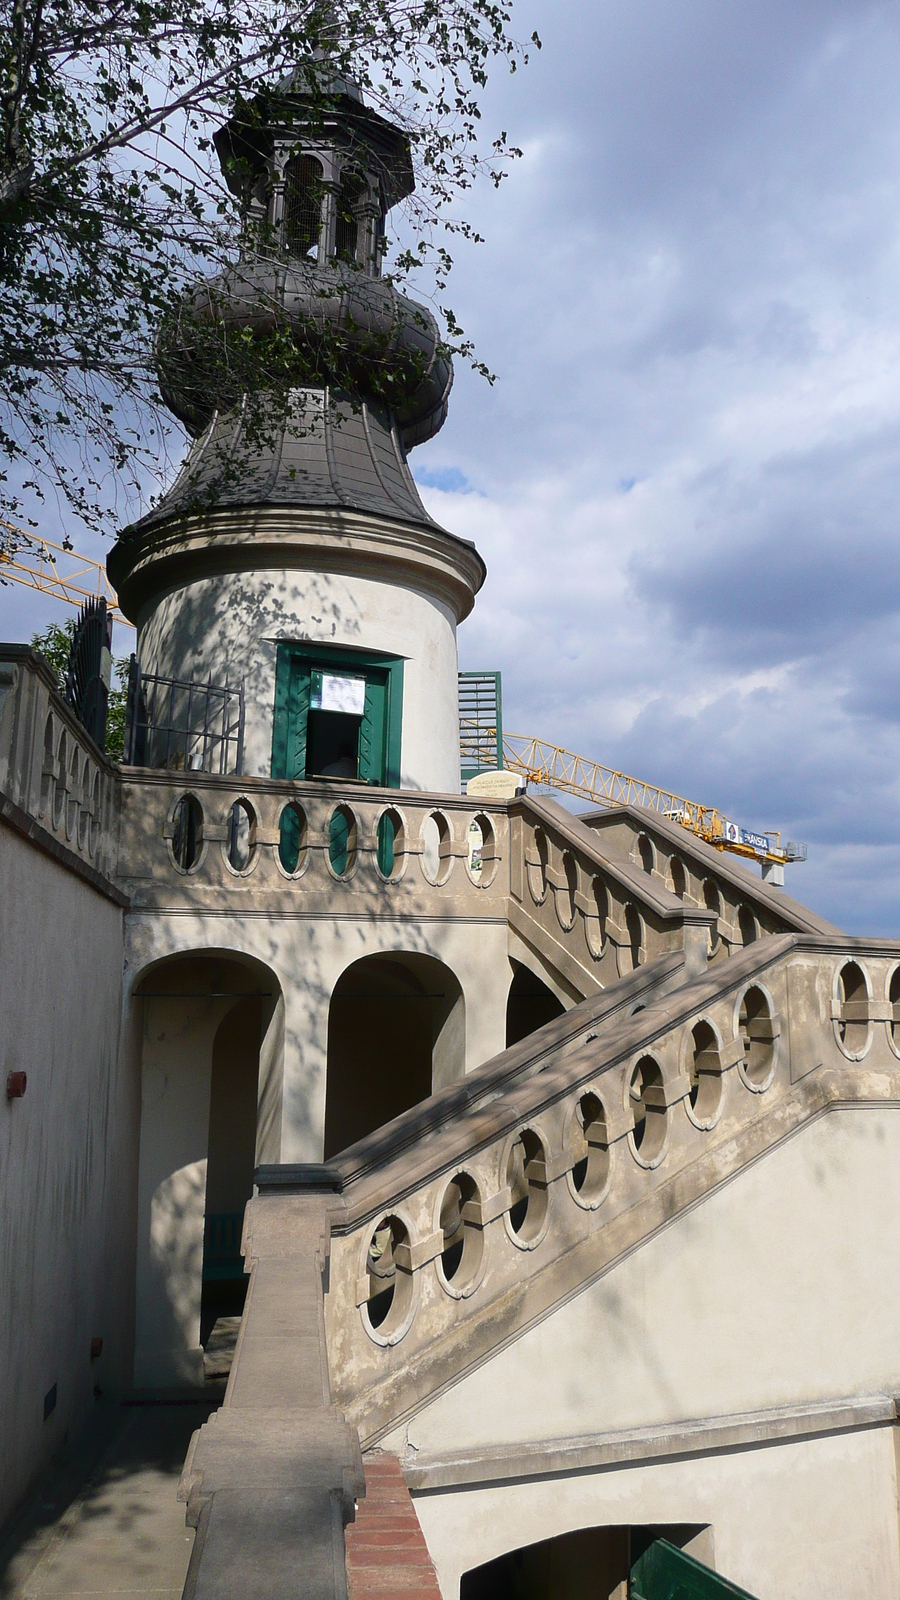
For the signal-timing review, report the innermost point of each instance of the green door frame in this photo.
(294, 666)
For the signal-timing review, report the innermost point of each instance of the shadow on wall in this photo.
(396, 1033)
(529, 1005)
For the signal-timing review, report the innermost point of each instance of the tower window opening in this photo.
(346, 231)
(302, 206)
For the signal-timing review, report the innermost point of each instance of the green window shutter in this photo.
(380, 729)
(292, 694)
(372, 731)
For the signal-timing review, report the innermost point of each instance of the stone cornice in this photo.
(147, 563)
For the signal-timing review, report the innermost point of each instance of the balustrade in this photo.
(563, 1164)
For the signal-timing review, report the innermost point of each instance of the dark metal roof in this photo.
(332, 453)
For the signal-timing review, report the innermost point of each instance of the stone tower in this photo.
(293, 553)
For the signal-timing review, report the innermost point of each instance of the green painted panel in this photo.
(664, 1572)
(338, 836)
(386, 838)
(380, 730)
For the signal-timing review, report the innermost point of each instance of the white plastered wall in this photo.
(230, 625)
(814, 1519)
(781, 1290)
(66, 1148)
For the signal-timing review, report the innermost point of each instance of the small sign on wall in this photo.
(338, 691)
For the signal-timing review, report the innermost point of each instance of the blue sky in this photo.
(686, 479)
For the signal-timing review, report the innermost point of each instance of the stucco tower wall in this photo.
(230, 625)
(213, 596)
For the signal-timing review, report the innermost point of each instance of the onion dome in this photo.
(316, 172)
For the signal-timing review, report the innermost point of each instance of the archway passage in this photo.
(210, 1041)
(586, 1564)
(396, 1032)
(529, 1005)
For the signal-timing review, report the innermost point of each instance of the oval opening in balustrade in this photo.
(47, 775)
(565, 894)
(85, 807)
(292, 838)
(634, 929)
(391, 839)
(240, 843)
(894, 998)
(436, 848)
(713, 902)
(853, 995)
(460, 1224)
(595, 925)
(677, 877)
(187, 833)
(706, 1074)
(59, 788)
(342, 841)
(72, 794)
(648, 1109)
(537, 869)
(482, 850)
(747, 926)
(94, 829)
(590, 1174)
(390, 1277)
(646, 853)
(757, 1028)
(526, 1175)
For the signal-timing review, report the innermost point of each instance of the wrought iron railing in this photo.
(183, 726)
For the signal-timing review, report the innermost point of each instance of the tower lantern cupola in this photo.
(294, 539)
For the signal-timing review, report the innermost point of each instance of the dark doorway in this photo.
(234, 1085)
(396, 1032)
(529, 1006)
(332, 745)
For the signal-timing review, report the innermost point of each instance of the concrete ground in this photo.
(106, 1522)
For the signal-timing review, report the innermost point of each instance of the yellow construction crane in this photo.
(40, 564)
(554, 768)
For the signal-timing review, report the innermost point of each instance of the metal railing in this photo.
(183, 726)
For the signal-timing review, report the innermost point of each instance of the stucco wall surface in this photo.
(231, 624)
(808, 1520)
(781, 1289)
(68, 1154)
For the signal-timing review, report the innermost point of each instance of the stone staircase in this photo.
(423, 1250)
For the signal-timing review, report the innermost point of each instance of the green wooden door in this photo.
(380, 724)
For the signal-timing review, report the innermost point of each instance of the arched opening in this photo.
(302, 205)
(210, 1051)
(529, 1005)
(396, 1032)
(589, 1562)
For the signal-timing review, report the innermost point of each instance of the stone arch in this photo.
(210, 1025)
(396, 1032)
(530, 1003)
